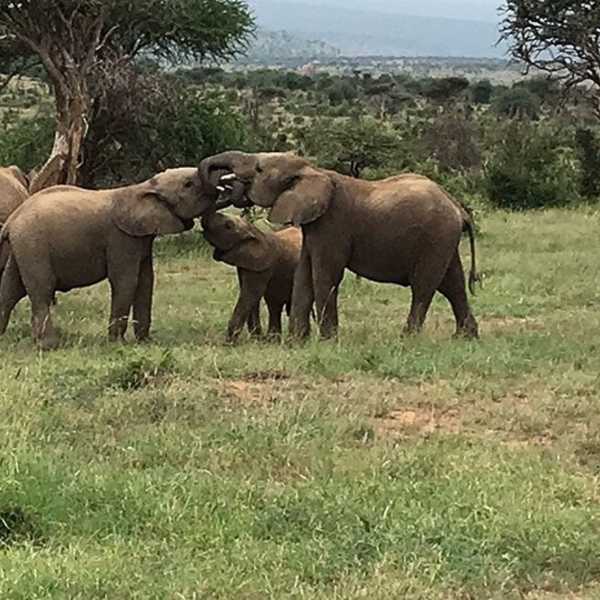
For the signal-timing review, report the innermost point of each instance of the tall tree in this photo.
(559, 37)
(79, 41)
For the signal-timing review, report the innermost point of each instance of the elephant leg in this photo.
(123, 287)
(453, 288)
(40, 284)
(252, 288)
(326, 282)
(11, 291)
(254, 324)
(275, 311)
(426, 280)
(142, 304)
(302, 297)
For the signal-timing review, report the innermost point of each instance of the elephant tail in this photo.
(474, 277)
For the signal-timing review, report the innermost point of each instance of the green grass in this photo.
(374, 466)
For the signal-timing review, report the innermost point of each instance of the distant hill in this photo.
(368, 32)
(283, 45)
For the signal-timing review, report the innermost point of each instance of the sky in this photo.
(486, 10)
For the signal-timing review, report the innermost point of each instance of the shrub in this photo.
(588, 149)
(532, 167)
(26, 141)
(517, 102)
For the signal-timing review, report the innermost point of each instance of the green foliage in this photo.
(350, 145)
(147, 123)
(517, 102)
(531, 167)
(26, 141)
(445, 88)
(588, 149)
(482, 91)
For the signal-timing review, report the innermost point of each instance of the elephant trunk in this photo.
(213, 168)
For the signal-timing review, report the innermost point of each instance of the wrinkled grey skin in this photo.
(404, 230)
(265, 261)
(66, 237)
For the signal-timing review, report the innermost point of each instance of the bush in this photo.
(26, 141)
(531, 167)
(588, 149)
(517, 102)
(143, 124)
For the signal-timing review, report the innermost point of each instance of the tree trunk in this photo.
(62, 167)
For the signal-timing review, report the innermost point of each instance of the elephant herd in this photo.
(404, 230)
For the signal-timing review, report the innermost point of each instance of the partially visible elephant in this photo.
(67, 237)
(404, 230)
(265, 261)
(13, 191)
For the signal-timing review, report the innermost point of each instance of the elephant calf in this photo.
(67, 237)
(265, 264)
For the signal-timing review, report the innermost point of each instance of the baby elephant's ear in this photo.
(144, 214)
(306, 201)
(254, 254)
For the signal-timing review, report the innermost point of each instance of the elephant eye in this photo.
(259, 169)
(188, 184)
(290, 182)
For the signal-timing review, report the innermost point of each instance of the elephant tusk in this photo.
(220, 188)
(229, 177)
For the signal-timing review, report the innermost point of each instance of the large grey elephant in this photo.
(265, 261)
(404, 230)
(13, 191)
(67, 237)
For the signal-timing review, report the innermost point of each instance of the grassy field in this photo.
(371, 467)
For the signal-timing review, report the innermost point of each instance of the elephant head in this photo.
(166, 203)
(296, 192)
(237, 242)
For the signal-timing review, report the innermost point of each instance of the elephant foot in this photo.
(468, 331)
(48, 342)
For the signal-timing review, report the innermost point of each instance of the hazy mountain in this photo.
(369, 32)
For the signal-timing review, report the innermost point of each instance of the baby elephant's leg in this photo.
(254, 324)
(11, 291)
(123, 285)
(252, 289)
(275, 310)
(39, 281)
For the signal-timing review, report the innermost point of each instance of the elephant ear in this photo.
(142, 214)
(305, 202)
(255, 254)
(19, 176)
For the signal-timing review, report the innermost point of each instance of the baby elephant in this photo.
(66, 237)
(265, 264)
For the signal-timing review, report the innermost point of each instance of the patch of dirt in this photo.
(418, 420)
(266, 376)
(519, 323)
(542, 440)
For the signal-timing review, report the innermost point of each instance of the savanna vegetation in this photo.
(371, 466)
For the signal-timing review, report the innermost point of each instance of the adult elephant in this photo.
(67, 237)
(404, 230)
(13, 191)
